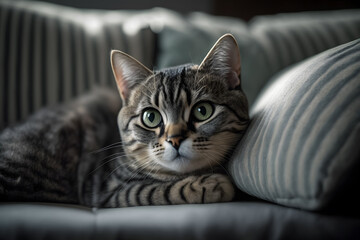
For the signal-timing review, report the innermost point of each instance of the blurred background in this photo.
(244, 9)
(51, 54)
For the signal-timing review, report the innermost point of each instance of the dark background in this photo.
(242, 9)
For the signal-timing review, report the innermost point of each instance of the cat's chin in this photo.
(182, 165)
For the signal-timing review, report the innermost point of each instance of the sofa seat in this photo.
(235, 220)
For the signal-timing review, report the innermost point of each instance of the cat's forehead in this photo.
(174, 87)
(169, 90)
(170, 80)
(177, 87)
(177, 70)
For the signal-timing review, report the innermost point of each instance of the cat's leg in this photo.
(208, 188)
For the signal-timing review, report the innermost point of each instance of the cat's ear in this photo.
(224, 60)
(128, 72)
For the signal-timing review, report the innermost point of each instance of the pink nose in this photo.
(175, 141)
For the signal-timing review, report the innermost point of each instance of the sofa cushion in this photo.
(303, 141)
(291, 37)
(51, 53)
(236, 220)
(267, 43)
(285, 39)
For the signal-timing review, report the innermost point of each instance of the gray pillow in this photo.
(303, 140)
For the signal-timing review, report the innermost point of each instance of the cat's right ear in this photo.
(128, 72)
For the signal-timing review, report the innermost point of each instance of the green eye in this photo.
(151, 118)
(203, 111)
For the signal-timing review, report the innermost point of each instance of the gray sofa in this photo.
(297, 167)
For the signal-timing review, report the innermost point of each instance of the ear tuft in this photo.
(224, 60)
(128, 72)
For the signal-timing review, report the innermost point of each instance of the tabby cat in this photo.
(177, 127)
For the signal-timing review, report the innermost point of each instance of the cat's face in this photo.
(184, 118)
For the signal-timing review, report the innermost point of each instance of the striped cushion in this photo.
(50, 53)
(303, 140)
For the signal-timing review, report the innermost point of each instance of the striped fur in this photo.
(72, 154)
(40, 159)
(177, 161)
(303, 141)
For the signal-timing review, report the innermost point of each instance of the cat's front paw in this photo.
(208, 188)
(217, 188)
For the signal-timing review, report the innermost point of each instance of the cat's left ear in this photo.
(128, 72)
(224, 60)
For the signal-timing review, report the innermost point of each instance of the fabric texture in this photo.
(50, 53)
(302, 143)
(241, 220)
(285, 39)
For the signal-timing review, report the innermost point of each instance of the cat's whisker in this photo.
(100, 166)
(119, 154)
(138, 170)
(109, 161)
(157, 170)
(209, 162)
(135, 173)
(111, 173)
(152, 169)
(214, 156)
(116, 168)
(114, 145)
(224, 168)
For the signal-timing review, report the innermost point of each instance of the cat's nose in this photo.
(175, 141)
(175, 134)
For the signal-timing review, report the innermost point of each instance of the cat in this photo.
(177, 128)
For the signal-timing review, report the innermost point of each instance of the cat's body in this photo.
(178, 127)
(46, 158)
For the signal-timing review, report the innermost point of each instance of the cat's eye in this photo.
(202, 111)
(151, 118)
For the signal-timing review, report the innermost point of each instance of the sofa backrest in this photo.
(285, 39)
(267, 44)
(50, 54)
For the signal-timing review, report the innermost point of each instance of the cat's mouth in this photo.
(184, 151)
(183, 159)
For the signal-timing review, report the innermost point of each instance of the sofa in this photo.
(296, 168)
